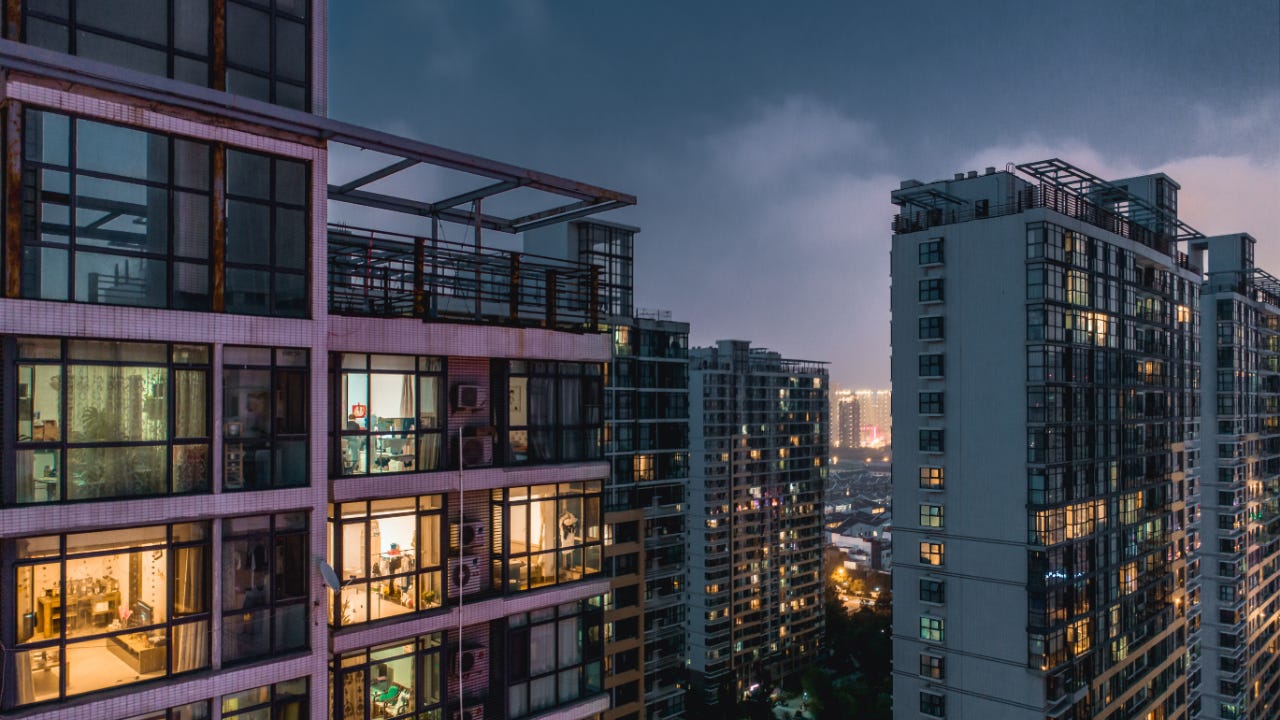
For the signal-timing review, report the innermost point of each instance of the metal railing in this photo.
(383, 274)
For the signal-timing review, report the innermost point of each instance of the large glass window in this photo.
(283, 701)
(553, 656)
(551, 534)
(114, 215)
(391, 416)
(388, 553)
(265, 417)
(554, 411)
(267, 51)
(98, 610)
(267, 235)
(400, 680)
(192, 711)
(102, 419)
(265, 579)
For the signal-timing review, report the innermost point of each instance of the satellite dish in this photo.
(330, 576)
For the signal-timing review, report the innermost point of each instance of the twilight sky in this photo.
(763, 138)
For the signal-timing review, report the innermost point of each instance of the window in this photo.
(931, 251)
(287, 699)
(267, 51)
(933, 705)
(392, 413)
(930, 403)
(265, 416)
(551, 534)
(133, 604)
(553, 656)
(931, 327)
(554, 412)
(114, 215)
(267, 235)
(265, 579)
(931, 553)
(103, 419)
(931, 290)
(192, 711)
(156, 37)
(931, 365)
(931, 478)
(932, 666)
(930, 515)
(932, 591)
(389, 554)
(401, 680)
(931, 629)
(931, 440)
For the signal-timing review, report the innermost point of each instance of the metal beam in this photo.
(391, 169)
(416, 207)
(607, 205)
(476, 194)
(525, 219)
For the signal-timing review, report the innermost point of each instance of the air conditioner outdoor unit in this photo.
(470, 397)
(477, 451)
(472, 661)
(464, 576)
(471, 533)
(470, 712)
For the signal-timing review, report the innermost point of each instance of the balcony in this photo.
(388, 275)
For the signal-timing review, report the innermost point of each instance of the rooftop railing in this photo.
(389, 275)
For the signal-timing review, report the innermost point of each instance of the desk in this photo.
(51, 613)
(140, 654)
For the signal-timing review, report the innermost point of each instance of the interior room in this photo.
(388, 411)
(386, 570)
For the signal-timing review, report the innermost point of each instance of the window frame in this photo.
(428, 438)
(931, 251)
(933, 553)
(275, 205)
(509, 566)
(519, 676)
(930, 480)
(931, 402)
(933, 590)
(429, 654)
(275, 437)
(932, 327)
(932, 515)
(281, 527)
(931, 290)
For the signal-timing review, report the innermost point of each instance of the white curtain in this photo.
(26, 683)
(190, 595)
(190, 646)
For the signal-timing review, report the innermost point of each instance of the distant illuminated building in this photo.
(870, 418)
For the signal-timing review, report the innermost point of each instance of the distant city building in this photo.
(755, 517)
(841, 423)
(1045, 350)
(871, 418)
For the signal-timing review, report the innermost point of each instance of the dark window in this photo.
(551, 534)
(931, 365)
(931, 327)
(104, 419)
(932, 666)
(553, 656)
(265, 418)
(931, 251)
(930, 403)
(190, 711)
(931, 290)
(266, 574)
(932, 591)
(554, 412)
(267, 235)
(933, 705)
(391, 415)
(268, 51)
(287, 699)
(140, 592)
(930, 440)
(114, 215)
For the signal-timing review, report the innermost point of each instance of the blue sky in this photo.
(762, 138)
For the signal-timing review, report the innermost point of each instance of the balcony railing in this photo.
(388, 275)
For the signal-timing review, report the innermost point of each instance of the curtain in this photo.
(542, 418)
(190, 646)
(571, 417)
(190, 591)
(26, 683)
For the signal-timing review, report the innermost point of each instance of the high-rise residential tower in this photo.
(1045, 349)
(254, 464)
(758, 465)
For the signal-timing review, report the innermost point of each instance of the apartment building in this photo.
(1240, 528)
(758, 465)
(253, 464)
(1045, 354)
(647, 445)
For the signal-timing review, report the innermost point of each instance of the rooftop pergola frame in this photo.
(563, 199)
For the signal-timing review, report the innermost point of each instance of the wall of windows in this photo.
(265, 417)
(554, 411)
(266, 43)
(103, 419)
(116, 215)
(265, 582)
(388, 554)
(391, 414)
(553, 656)
(283, 701)
(400, 680)
(551, 534)
(101, 609)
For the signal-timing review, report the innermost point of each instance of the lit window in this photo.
(930, 516)
(931, 478)
(932, 629)
(931, 666)
(931, 553)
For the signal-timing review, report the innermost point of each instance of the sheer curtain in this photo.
(190, 595)
(571, 416)
(542, 411)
